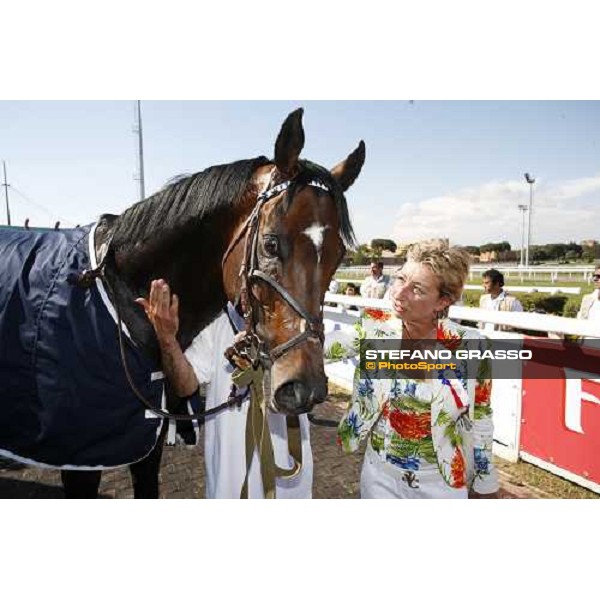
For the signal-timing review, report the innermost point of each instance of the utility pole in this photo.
(5, 184)
(530, 180)
(137, 128)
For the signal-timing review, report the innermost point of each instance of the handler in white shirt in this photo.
(375, 285)
(224, 441)
(590, 303)
(495, 298)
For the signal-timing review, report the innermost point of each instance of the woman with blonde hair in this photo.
(430, 437)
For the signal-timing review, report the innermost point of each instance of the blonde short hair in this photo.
(450, 265)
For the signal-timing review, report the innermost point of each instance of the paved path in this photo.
(182, 473)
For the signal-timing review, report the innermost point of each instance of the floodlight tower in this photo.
(522, 209)
(530, 180)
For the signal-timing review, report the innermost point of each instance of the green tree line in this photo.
(365, 253)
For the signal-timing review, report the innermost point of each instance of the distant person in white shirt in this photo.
(590, 303)
(495, 298)
(376, 284)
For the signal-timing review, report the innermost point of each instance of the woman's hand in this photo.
(162, 309)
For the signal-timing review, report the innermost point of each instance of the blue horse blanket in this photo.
(64, 398)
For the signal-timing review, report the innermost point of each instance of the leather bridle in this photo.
(251, 346)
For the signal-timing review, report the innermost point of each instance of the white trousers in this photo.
(225, 457)
(380, 479)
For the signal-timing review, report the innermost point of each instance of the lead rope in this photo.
(258, 436)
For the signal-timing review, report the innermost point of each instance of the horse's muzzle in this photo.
(297, 397)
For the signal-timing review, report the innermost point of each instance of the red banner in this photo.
(561, 416)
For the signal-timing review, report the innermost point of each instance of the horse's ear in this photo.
(289, 144)
(348, 170)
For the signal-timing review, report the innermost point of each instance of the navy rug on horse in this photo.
(64, 397)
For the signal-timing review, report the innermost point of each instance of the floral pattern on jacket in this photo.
(409, 421)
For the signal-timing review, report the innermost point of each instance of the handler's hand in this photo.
(162, 309)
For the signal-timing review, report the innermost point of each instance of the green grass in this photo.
(534, 478)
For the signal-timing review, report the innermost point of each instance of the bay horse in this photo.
(270, 233)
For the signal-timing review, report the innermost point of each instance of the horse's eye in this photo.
(271, 245)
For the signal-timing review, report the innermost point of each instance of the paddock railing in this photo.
(551, 273)
(518, 289)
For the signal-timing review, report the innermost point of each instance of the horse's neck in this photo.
(192, 267)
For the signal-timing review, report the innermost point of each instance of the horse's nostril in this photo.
(293, 397)
(318, 395)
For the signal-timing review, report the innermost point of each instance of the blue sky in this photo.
(433, 168)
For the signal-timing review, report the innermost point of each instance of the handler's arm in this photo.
(162, 309)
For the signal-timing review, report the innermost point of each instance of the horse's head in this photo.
(295, 240)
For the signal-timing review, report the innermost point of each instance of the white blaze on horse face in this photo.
(315, 233)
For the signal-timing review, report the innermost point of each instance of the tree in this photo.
(572, 255)
(591, 253)
(561, 252)
(576, 248)
(539, 253)
(555, 251)
(495, 247)
(362, 256)
(378, 245)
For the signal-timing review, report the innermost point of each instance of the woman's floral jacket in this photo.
(441, 420)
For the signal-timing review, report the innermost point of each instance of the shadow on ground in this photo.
(14, 488)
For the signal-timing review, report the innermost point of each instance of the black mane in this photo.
(189, 199)
(184, 202)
